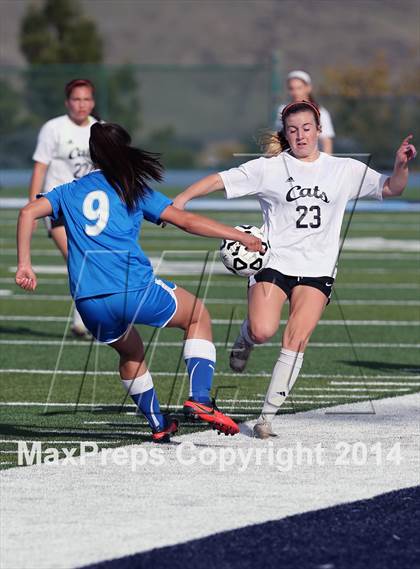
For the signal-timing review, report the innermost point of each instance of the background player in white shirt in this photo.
(299, 85)
(62, 155)
(303, 193)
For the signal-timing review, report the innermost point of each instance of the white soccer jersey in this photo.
(64, 147)
(327, 129)
(303, 206)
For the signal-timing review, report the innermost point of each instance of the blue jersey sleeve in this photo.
(152, 204)
(55, 197)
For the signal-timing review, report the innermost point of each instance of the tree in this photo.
(61, 43)
(51, 35)
(123, 98)
(371, 79)
(14, 146)
(58, 32)
(371, 111)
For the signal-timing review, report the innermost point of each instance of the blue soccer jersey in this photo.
(103, 254)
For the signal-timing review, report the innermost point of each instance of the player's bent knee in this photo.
(130, 352)
(261, 333)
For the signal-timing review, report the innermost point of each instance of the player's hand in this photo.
(405, 152)
(26, 278)
(252, 243)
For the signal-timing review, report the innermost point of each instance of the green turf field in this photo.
(365, 348)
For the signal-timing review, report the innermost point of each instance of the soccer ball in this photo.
(238, 260)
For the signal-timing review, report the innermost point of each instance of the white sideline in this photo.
(225, 321)
(236, 283)
(56, 508)
(231, 301)
(84, 344)
(222, 374)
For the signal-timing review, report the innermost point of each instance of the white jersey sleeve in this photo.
(278, 125)
(364, 181)
(45, 148)
(246, 180)
(326, 124)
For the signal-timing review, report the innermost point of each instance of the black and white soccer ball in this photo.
(238, 260)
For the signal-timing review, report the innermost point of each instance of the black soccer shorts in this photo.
(51, 223)
(287, 283)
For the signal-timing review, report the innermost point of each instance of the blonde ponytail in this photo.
(272, 143)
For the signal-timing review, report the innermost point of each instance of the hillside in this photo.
(308, 33)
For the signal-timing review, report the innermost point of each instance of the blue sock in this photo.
(143, 394)
(200, 358)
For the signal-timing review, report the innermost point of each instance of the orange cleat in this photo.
(209, 413)
(164, 436)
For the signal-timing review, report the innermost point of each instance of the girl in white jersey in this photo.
(62, 155)
(303, 194)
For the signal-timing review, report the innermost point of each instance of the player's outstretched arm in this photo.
(205, 186)
(25, 277)
(395, 185)
(37, 181)
(206, 227)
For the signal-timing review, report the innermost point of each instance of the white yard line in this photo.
(374, 383)
(327, 396)
(91, 432)
(400, 256)
(34, 252)
(28, 318)
(220, 374)
(84, 344)
(54, 507)
(185, 268)
(41, 281)
(337, 390)
(239, 284)
(126, 406)
(226, 322)
(356, 389)
(112, 423)
(230, 301)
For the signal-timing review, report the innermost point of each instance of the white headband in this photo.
(300, 75)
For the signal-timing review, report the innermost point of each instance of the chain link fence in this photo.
(198, 117)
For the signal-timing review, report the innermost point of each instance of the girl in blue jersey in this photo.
(111, 279)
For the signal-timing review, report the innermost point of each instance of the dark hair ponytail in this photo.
(126, 168)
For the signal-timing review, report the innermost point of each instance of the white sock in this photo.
(285, 374)
(139, 384)
(143, 394)
(245, 332)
